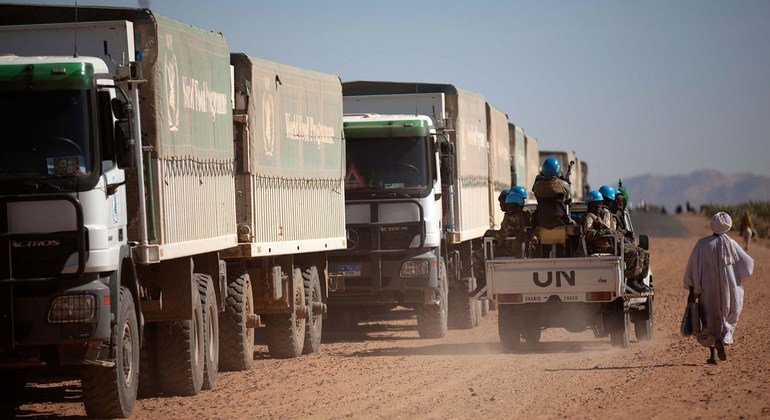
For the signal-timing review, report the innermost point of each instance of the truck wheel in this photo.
(531, 334)
(13, 384)
(111, 392)
(148, 374)
(508, 327)
(477, 312)
(210, 328)
(432, 320)
(181, 353)
(619, 331)
(286, 332)
(314, 326)
(644, 322)
(236, 336)
(462, 309)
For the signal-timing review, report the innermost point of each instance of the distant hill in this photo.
(700, 187)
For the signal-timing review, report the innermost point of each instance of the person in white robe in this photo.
(715, 274)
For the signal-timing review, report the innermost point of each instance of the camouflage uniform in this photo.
(599, 229)
(553, 194)
(513, 226)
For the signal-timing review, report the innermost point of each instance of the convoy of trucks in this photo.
(167, 197)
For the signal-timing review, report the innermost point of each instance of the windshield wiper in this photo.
(30, 181)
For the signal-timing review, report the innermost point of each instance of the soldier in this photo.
(553, 195)
(601, 228)
(512, 238)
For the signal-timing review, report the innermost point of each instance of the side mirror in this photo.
(644, 242)
(118, 109)
(124, 145)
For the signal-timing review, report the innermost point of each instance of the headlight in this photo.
(69, 309)
(414, 268)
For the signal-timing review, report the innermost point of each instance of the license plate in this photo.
(569, 298)
(350, 270)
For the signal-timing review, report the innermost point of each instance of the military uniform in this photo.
(553, 194)
(514, 225)
(599, 228)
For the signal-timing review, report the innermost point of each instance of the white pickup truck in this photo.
(576, 293)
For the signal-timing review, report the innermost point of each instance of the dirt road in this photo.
(384, 370)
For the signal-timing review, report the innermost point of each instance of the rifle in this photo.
(569, 172)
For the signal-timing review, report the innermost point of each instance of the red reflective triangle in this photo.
(353, 178)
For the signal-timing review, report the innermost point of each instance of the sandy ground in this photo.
(384, 370)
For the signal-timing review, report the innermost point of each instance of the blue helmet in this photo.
(519, 190)
(551, 167)
(608, 192)
(594, 196)
(514, 197)
(503, 194)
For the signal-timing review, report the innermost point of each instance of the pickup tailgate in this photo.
(571, 279)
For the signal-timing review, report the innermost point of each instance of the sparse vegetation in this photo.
(760, 214)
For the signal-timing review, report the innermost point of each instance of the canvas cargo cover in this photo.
(532, 151)
(499, 160)
(518, 156)
(294, 119)
(466, 114)
(290, 154)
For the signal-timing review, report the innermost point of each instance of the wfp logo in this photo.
(268, 114)
(170, 86)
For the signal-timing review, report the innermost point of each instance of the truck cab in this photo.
(394, 219)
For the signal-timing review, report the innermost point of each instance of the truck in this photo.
(289, 170)
(576, 177)
(532, 165)
(418, 200)
(518, 157)
(132, 213)
(584, 291)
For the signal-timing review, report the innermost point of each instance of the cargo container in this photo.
(518, 156)
(532, 167)
(418, 200)
(499, 161)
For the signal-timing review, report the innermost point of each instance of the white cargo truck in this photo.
(290, 205)
(578, 293)
(124, 199)
(518, 156)
(419, 190)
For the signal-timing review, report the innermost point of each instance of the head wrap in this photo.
(721, 224)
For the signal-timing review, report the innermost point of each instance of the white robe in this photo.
(720, 288)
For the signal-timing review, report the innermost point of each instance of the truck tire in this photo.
(432, 320)
(12, 385)
(314, 326)
(236, 338)
(508, 327)
(286, 332)
(531, 333)
(148, 374)
(462, 309)
(619, 332)
(643, 324)
(111, 392)
(211, 329)
(181, 353)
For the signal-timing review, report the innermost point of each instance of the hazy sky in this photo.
(633, 87)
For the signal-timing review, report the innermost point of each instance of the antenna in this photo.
(76, 29)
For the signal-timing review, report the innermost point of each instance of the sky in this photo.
(634, 87)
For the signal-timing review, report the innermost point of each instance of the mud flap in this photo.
(6, 317)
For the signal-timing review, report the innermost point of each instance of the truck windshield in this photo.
(386, 163)
(46, 134)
